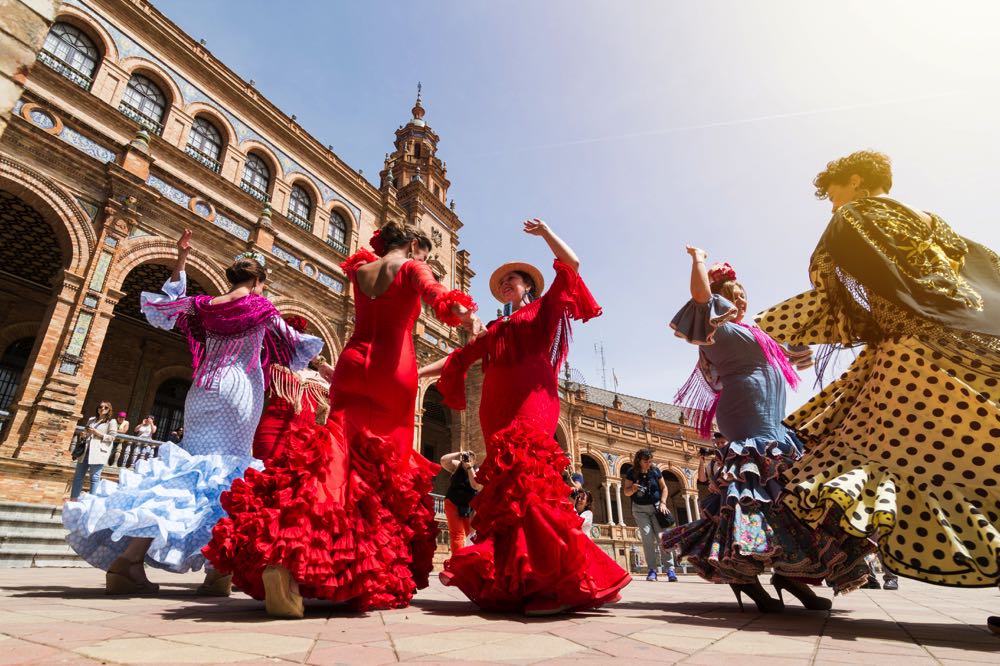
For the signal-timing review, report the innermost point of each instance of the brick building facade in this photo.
(127, 132)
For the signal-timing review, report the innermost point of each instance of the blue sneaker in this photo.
(651, 576)
(671, 575)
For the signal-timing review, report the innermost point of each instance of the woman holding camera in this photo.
(740, 381)
(461, 489)
(645, 485)
(530, 554)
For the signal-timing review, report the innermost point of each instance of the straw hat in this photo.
(500, 273)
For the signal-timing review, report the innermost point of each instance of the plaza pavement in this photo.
(61, 616)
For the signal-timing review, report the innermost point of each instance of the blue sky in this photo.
(634, 128)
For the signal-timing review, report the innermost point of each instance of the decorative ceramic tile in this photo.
(235, 229)
(82, 143)
(286, 256)
(333, 283)
(43, 119)
(169, 191)
(101, 272)
(83, 322)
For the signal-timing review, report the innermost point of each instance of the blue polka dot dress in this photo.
(173, 498)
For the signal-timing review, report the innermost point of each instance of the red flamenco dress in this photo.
(346, 507)
(301, 396)
(530, 554)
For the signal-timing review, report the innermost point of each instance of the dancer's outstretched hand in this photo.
(536, 227)
(697, 254)
(184, 242)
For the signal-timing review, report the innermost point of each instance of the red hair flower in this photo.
(298, 323)
(377, 243)
(721, 272)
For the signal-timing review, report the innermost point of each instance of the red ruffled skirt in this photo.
(351, 521)
(529, 553)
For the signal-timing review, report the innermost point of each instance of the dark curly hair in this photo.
(874, 168)
(395, 234)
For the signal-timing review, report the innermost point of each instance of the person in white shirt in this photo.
(584, 507)
(100, 433)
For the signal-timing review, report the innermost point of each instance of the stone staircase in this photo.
(32, 535)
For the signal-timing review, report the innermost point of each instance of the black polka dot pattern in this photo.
(903, 447)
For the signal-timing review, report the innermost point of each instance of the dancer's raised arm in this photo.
(183, 249)
(701, 292)
(560, 249)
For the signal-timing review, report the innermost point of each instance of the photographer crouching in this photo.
(461, 489)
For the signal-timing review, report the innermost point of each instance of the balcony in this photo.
(129, 111)
(338, 246)
(209, 162)
(65, 70)
(253, 191)
(299, 221)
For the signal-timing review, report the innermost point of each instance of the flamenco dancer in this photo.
(740, 382)
(530, 554)
(902, 448)
(291, 396)
(163, 511)
(343, 511)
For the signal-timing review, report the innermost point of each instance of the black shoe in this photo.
(801, 592)
(765, 603)
(993, 623)
(872, 584)
(891, 584)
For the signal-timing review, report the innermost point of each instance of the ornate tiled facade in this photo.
(95, 187)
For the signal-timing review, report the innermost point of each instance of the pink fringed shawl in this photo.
(699, 397)
(198, 318)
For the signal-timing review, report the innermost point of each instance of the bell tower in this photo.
(415, 159)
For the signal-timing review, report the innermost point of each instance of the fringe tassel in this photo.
(699, 401)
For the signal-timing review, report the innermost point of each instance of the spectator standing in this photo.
(100, 434)
(123, 424)
(461, 489)
(645, 485)
(146, 429)
(584, 502)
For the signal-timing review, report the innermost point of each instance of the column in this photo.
(607, 501)
(621, 505)
(687, 505)
(697, 509)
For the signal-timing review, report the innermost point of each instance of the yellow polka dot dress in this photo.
(902, 448)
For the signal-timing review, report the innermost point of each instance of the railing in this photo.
(253, 191)
(210, 162)
(338, 246)
(438, 505)
(126, 450)
(65, 69)
(135, 114)
(299, 221)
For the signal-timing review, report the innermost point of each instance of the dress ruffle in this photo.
(172, 499)
(361, 540)
(442, 306)
(745, 528)
(575, 298)
(696, 322)
(357, 260)
(529, 551)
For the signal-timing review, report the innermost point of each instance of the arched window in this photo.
(256, 177)
(71, 53)
(300, 208)
(12, 365)
(168, 407)
(336, 234)
(205, 143)
(144, 103)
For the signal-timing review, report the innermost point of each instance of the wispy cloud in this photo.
(723, 123)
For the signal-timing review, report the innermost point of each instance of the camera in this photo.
(705, 453)
(465, 457)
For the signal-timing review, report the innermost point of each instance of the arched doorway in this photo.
(168, 406)
(133, 351)
(623, 472)
(30, 262)
(593, 482)
(676, 490)
(12, 365)
(435, 435)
